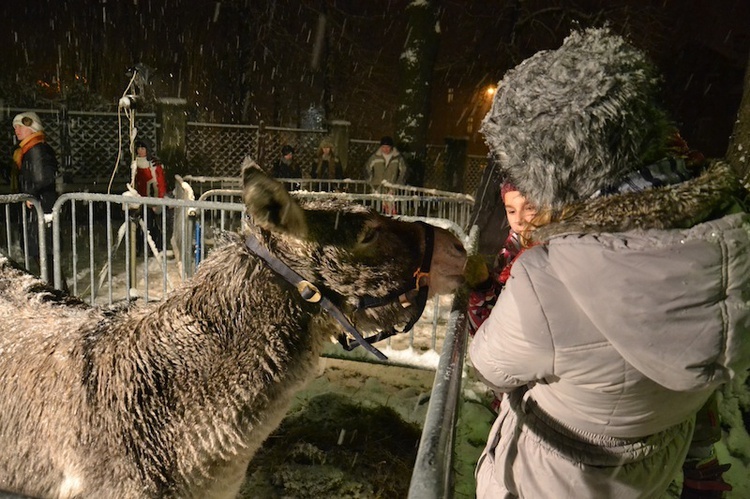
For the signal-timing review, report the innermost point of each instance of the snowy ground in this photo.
(406, 391)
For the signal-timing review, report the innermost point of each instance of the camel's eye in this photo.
(368, 235)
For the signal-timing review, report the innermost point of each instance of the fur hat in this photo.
(29, 119)
(566, 123)
(326, 142)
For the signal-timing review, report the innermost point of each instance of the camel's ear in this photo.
(269, 203)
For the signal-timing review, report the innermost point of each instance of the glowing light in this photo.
(490, 91)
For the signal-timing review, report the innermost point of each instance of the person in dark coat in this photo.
(327, 166)
(37, 174)
(285, 166)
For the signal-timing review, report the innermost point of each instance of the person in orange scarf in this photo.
(37, 173)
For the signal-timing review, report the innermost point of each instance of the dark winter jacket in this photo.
(38, 174)
(284, 169)
(328, 168)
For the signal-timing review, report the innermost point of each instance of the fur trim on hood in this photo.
(566, 123)
(677, 206)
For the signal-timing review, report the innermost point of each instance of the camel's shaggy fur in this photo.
(172, 399)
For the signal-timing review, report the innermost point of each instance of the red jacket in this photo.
(150, 181)
(482, 299)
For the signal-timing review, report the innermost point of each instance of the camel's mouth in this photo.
(386, 317)
(447, 284)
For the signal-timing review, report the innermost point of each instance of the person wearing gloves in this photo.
(617, 326)
(37, 175)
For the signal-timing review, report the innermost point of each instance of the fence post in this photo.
(259, 142)
(455, 163)
(66, 156)
(339, 130)
(171, 130)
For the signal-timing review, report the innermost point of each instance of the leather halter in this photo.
(312, 294)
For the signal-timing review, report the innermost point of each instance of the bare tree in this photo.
(739, 142)
(416, 63)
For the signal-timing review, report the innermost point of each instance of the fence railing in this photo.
(106, 250)
(456, 209)
(433, 475)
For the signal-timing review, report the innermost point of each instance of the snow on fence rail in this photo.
(391, 200)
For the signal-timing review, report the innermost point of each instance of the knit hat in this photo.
(386, 141)
(506, 188)
(566, 123)
(29, 119)
(287, 149)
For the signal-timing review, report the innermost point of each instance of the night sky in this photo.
(246, 61)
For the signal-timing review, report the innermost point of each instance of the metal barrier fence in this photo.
(84, 224)
(17, 237)
(457, 210)
(433, 476)
(102, 256)
(201, 184)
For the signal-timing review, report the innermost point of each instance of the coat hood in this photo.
(663, 274)
(567, 123)
(680, 205)
(674, 303)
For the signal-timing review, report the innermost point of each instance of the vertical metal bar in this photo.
(8, 233)
(146, 248)
(74, 248)
(432, 477)
(433, 470)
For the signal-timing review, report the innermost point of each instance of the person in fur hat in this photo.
(37, 175)
(618, 326)
(328, 166)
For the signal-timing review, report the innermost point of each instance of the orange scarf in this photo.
(26, 144)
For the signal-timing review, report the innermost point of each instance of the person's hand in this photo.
(476, 271)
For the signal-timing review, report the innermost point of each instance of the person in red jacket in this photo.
(487, 285)
(150, 182)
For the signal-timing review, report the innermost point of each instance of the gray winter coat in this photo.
(610, 337)
(392, 170)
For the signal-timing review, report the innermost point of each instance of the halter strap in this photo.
(401, 295)
(309, 292)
